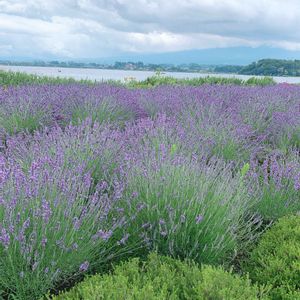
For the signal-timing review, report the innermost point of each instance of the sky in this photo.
(104, 28)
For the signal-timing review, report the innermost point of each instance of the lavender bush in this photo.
(105, 111)
(52, 227)
(28, 116)
(91, 144)
(276, 185)
(182, 205)
(61, 104)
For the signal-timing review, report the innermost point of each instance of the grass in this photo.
(9, 78)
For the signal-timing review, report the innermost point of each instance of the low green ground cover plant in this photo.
(161, 278)
(276, 259)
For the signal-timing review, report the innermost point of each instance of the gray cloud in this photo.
(96, 28)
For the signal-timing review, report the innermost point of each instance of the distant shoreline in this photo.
(263, 67)
(98, 74)
(111, 68)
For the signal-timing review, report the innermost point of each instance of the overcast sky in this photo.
(101, 28)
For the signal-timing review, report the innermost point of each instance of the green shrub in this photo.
(165, 278)
(276, 260)
(157, 80)
(260, 81)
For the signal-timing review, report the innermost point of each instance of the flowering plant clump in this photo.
(52, 227)
(277, 185)
(184, 206)
(93, 145)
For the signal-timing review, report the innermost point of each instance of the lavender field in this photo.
(96, 174)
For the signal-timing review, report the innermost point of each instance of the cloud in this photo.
(99, 28)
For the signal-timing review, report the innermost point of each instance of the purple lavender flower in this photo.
(123, 240)
(76, 223)
(162, 222)
(84, 266)
(199, 219)
(140, 206)
(104, 235)
(74, 246)
(4, 237)
(147, 225)
(46, 211)
(44, 241)
(120, 209)
(134, 194)
(34, 266)
(26, 224)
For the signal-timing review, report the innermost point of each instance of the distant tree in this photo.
(272, 67)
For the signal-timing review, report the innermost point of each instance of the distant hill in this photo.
(262, 67)
(272, 67)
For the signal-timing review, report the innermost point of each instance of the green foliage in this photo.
(245, 169)
(168, 80)
(228, 150)
(8, 78)
(105, 111)
(275, 194)
(260, 81)
(289, 139)
(276, 260)
(161, 278)
(273, 67)
(274, 203)
(21, 121)
(24, 117)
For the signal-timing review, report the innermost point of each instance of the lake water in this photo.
(103, 74)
